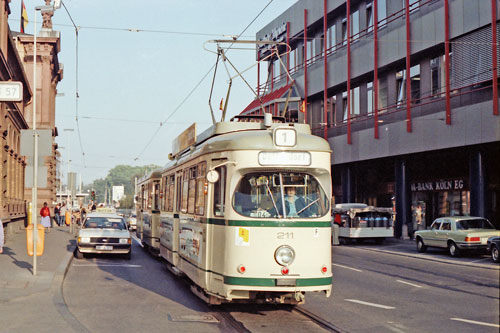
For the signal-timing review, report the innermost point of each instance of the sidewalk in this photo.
(31, 303)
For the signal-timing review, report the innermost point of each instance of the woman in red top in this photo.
(45, 213)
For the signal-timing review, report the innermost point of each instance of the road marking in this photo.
(408, 283)
(475, 322)
(109, 265)
(137, 240)
(354, 269)
(370, 304)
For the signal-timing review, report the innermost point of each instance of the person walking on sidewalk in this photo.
(62, 214)
(45, 213)
(1, 236)
(57, 217)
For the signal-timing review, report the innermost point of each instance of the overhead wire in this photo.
(76, 83)
(198, 84)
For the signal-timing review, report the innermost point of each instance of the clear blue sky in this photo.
(141, 78)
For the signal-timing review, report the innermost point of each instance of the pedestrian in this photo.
(57, 216)
(45, 213)
(1, 236)
(62, 212)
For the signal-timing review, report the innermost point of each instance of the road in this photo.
(374, 291)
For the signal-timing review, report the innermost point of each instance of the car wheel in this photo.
(453, 249)
(421, 247)
(78, 254)
(494, 253)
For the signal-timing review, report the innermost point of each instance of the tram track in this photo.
(323, 323)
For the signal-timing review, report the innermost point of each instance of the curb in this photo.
(423, 257)
(58, 296)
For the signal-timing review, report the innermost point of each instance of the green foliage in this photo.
(120, 175)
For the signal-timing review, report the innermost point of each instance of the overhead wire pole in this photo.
(197, 85)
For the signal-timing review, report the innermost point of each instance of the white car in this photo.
(104, 233)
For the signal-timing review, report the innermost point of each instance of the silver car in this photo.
(104, 233)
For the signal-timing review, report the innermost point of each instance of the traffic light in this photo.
(92, 196)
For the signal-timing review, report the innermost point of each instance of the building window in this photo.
(382, 94)
(344, 31)
(355, 107)
(400, 87)
(355, 24)
(276, 69)
(369, 17)
(332, 39)
(415, 84)
(381, 10)
(344, 105)
(414, 4)
(436, 76)
(369, 98)
(331, 111)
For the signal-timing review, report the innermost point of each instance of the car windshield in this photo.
(474, 224)
(263, 194)
(105, 223)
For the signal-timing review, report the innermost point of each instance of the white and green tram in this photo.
(230, 221)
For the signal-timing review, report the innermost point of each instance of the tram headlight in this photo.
(284, 255)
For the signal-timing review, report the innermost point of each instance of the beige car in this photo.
(456, 233)
(104, 233)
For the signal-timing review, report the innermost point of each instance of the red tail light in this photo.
(285, 271)
(324, 269)
(472, 239)
(241, 269)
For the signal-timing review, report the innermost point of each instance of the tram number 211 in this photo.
(284, 235)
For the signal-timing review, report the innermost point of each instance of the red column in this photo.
(494, 55)
(375, 64)
(305, 66)
(349, 141)
(408, 55)
(447, 59)
(325, 74)
(288, 53)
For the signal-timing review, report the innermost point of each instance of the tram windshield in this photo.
(264, 194)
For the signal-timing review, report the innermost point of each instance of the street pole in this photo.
(34, 194)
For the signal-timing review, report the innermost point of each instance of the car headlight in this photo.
(124, 240)
(83, 239)
(284, 255)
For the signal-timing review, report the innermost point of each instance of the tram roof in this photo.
(156, 173)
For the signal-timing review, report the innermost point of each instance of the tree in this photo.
(120, 175)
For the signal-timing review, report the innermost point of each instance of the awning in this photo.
(268, 98)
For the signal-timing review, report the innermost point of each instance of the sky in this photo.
(140, 74)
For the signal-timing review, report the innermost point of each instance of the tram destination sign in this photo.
(11, 91)
(285, 158)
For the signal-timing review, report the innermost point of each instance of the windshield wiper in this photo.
(272, 198)
(303, 209)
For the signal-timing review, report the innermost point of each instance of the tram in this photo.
(245, 211)
(148, 214)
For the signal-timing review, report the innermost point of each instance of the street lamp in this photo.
(34, 191)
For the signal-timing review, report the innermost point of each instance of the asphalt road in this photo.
(374, 291)
(383, 292)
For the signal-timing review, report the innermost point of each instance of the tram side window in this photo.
(150, 196)
(192, 189)
(185, 190)
(164, 187)
(200, 188)
(143, 197)
(169, 194)
(179, 192)
(156, 203)
(220, 192)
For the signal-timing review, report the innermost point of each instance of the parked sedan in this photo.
(104, 233)
(493, 247)
(456, 233)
